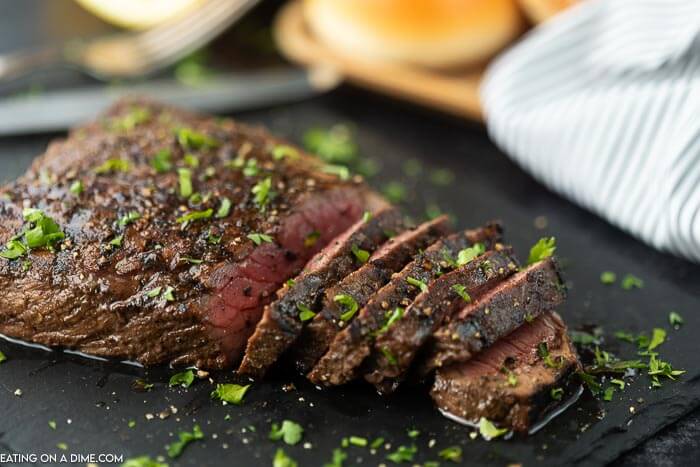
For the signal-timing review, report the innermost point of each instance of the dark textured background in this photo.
(99, 402)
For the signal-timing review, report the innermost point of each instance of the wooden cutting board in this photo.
(453, 92)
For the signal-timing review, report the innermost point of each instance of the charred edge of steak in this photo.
(281, 325)
(360, 286)
(352, 345)
(511, 383)
(501, 310)
(395, 350)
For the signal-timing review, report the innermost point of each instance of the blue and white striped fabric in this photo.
(602, 105)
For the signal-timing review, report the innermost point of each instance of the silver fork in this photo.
(130, 55)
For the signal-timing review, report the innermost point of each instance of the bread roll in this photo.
(432, 33)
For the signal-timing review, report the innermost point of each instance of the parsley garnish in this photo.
(630, 282)
(161, 161)
(283, 460)
(349, 305)
(230, 393)
(281, 151)
(190, 139)
(556, 393)
(311, 239)
(76, 188)
(511, 379)
(185, 179)
(117, 241)
(377, 443)
(403, 454)
(184, 379)
(366, 216)
(194, 216)
(42, 231)
(608, 277)
(544, 248)
(128, 218)
(251, 168)
(468, 254)
(461, 290)
(168, 294)
(358, 441)
(112, 166)
(334, 145)
(340, 171)
(135, 117)
(392, 316)
(290, 432)
(361, 255)
(224, 208)
(543, 352)
(389, 356)
(339, 457)
(184, 438)
(675, 319)
(659, 368)
(452, 453)
(305, 312)
(191, 160)
(417, 283)
(153, 293)
(489, 431)
(262, 192)
(258, 238)
(2, 357)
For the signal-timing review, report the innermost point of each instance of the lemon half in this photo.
(139, 14)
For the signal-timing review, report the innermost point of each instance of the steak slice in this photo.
(281, 323)
(343, 300)
(512, 382)
(395, 350)
(500, 311)
(163, 261)
(352, 345)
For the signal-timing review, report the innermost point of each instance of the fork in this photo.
(130, 55)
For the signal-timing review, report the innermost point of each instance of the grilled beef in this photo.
(352, 345)
(344, 300)
(178, 229)
(516, 381)
(283, 320)
(395, 350)
(501, 310)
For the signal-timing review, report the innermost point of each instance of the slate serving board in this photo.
(92, 402)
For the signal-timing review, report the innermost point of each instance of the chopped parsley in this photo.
(283, 460)
(3, 358)
(136, 116)
(630, 282)
(340, 171)
(289, 431)
(389, 356)
(511, 379)
(259, 238)
(290, 283)
(339, 457)
(618, 382)
(311, 239)
(168, 294)
(452, 454)
(543, 249)
(366, 216)
(191, 160)
(413, 433)
(461, 290)
(251, 168)
(190, 260)
(590, 381)
(658, 368)
(468, 254)
(361, 255)
(52, 424)
(117, 241)
(489, 431)
(403, 454)
(191, 139)
(281, 151)
(675, 320)
(305, 312)
(183, 379)
(391, 317)
(224, 208)
(543, 352)
(143, 461)
(112, 166)
(334, 145)
(128, 218)
(230, 393)
(556, 393)
(194, 216)
(417, 283)
(608, 277)
(358, 441)
(41, 232)
(185, 180)
(608, 393)
(377, 443)
(161, 161)
(184, 438)
(153, 293)
(395, 192)
(584, 338)
(658, 336)
(262, 192)
(76, 188)
(348, 304)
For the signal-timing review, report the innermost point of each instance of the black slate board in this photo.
(98, 400)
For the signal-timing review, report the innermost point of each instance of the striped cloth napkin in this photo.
(602, 105)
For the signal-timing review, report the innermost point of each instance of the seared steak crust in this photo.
(359, 286)
(395, 350)
(353, 344)
(134, 278)
(282, 323)
(511, 383)
(501, 310)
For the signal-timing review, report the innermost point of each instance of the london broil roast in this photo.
(163, 237)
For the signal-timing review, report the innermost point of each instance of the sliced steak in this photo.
(500, 311)
(282, 321)
(178, 229)
(515, 382)
(344, 300)
(395, 350)
(352, 345)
